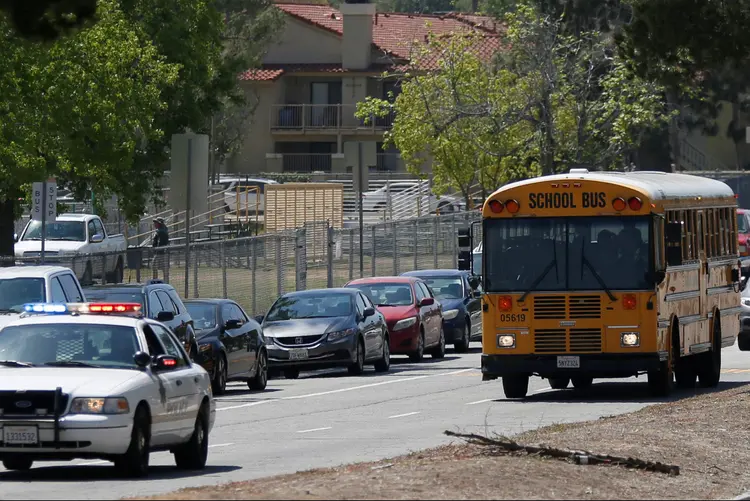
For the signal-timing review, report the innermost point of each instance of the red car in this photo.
(743, 231)
(413, 315)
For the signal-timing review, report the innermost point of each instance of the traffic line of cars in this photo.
(116, 372)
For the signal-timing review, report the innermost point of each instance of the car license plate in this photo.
(568, 362)
(298, 354)
(21, 435)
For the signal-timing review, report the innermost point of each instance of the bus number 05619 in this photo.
(512, 317)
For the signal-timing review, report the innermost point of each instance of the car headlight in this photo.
(630, 339)
(114, 405)
(270, 341)
(506, 341)
(450, 314)
(335, 336)
(205, 347)
(405, 323)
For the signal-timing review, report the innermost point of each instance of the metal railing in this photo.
(254, 271)
(306, 162)
(319, 117)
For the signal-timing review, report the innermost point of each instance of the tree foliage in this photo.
(548, 101)
(47, 20)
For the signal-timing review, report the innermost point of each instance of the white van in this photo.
(247, 198)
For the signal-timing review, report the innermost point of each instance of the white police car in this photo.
(92, 380)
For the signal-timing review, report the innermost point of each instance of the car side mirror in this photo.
(165, 362)
(142, 359)
(427, 301)
(165, 316)
(96, 239)
(259, 318)
(369, 311)
(232, 324)
(15, 237)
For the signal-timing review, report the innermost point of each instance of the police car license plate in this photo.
(568, 362)
(298, 354)
(21, 435)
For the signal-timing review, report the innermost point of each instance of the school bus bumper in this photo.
(599, 365)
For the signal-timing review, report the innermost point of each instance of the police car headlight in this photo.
(100, 406)
(450, 314)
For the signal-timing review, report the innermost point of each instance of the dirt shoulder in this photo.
(706, 436)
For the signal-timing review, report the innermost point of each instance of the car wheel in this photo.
(439, 352)
(358, 366)
(462, 345)
(259, 382)
(219, 381)
(384, 364)
(193, 455)
(18, 464)
(418, 354)
(134, 463)
(291, 373)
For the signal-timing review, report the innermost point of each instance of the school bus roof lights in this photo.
(619, 204)
(496, 206)
(635, 203)
(513, 206)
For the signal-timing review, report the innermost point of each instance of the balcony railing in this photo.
(306, 162)
(324, 117)
(388, 162)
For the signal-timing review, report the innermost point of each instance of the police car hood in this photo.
(77, 381)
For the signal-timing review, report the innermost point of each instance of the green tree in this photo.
(46, 20)
(547, 102)
(79, 109)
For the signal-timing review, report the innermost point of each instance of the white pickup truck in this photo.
(78, 241)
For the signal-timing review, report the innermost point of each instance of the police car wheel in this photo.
(194, 454)
(19, 464)
(134, 463)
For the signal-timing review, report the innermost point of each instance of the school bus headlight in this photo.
(506, 341)
(630, 339)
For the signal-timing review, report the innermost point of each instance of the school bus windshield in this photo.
(567, 253)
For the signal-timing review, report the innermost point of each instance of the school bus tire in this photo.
(559, 383)
(582, 382)
(710, 371)
(516, 386)
(661, 381)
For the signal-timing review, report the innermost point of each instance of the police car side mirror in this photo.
(165, 316)
(15, 237)
(165, 362)
(142, 359)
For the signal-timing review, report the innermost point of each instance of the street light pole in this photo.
(360, 171)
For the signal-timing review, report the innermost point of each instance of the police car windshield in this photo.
(79, 345)
(15, 292)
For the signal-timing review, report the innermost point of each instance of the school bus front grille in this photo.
(585, 307)
(549, 341)
(567, 341)
(585, 340)
(549, 307)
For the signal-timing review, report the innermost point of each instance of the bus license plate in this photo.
(298, 354)
(568, 362)
(21, 435)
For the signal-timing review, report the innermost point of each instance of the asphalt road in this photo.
(329, 418)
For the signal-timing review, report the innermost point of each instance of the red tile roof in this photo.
(271, 72)
(393, 33)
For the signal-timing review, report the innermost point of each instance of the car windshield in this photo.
(742, 223)
(15, 292)
(446, 287)
(203, 315)
(387, 294)
(310, 306)
(573, 253)
(104, 296)
(80, 345)
(74, 231)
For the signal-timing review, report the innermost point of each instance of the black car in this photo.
(230, 344)
(324, 328)
(458, 291)
(159, 301)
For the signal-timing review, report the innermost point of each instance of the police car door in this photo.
(184, 408)
(164, 429)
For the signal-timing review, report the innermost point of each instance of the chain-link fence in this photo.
(254, 271)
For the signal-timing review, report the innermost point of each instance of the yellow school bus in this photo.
(608, 274)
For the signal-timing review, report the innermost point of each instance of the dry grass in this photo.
(706, 436)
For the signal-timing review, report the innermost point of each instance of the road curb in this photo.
(744, 495)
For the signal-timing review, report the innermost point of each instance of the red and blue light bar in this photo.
(83, 308)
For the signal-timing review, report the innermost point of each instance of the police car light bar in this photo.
(84, 308)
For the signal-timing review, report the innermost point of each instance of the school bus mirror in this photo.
(464, 237)
(464, 260)
(474, 281)
(735, 275)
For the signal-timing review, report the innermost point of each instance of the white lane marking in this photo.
(480, 401)
(403, 415)
(221, 445)
(342, 390)
(543, 390)
(314, 429)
